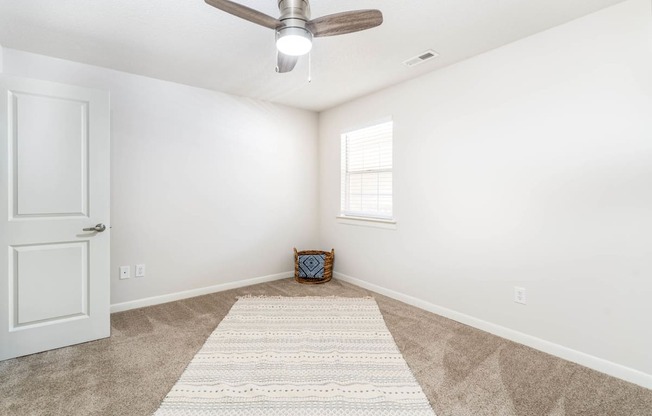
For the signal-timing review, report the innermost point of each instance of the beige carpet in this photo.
(463, 371)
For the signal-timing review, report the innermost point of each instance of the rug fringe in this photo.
(300, 297)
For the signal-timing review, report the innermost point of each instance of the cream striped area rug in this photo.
(298, 357)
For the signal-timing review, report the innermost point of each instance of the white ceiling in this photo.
(189, 42)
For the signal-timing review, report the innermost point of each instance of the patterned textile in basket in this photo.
(313, 266)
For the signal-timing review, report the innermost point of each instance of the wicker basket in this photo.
(329, 257)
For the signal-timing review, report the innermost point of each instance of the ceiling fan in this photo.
(294, 28)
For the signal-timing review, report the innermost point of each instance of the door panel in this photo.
(54, 181)
(50, 151)
(50, 283)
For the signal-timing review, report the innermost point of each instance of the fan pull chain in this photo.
(309, 67)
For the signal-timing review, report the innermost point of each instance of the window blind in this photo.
(367, 172)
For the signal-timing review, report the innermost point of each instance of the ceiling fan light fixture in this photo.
(293, 41)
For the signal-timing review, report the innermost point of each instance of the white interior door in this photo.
(54, 182)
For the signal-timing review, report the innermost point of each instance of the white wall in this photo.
(530, 165)
(206, 188)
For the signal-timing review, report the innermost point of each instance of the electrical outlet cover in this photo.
(140, 270)
(519, 295)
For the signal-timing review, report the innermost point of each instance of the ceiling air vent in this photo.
(423, 57)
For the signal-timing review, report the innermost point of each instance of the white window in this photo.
(367, 172)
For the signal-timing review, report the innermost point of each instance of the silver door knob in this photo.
(98, 228)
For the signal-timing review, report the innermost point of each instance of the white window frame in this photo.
(363, 218)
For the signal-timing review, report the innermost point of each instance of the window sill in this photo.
(367, 222)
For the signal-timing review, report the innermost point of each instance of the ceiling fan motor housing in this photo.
(294, 13)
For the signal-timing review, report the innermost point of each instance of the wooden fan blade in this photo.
(246, 13)
(346, 22)
(285, 63)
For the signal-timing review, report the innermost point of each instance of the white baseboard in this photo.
(590, 361)
(171, 297)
